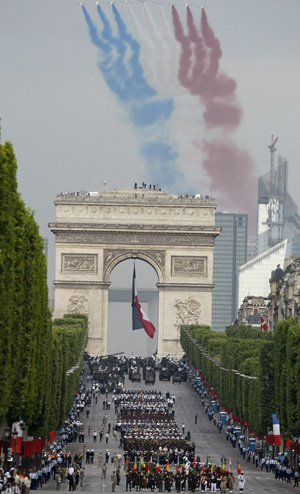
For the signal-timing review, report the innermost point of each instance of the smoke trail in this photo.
(201, 75)
(172, 51)
(218, 90)
(199, 52)
(157, 38)
(185, 61)
(232, 173)
(161, 69)
(94, 35)
(130, 81)
(158, 44)
(146, 56)
(123, 73)
(230, 169)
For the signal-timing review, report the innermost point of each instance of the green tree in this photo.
(34, 354)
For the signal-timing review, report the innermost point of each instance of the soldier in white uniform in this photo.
(241, 482)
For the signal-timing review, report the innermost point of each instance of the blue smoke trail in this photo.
(127, 80)
(159, 152)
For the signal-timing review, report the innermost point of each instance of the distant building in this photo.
(278, 236)
(251, 311)
(230, 252)
(251, 249)
(254, 276)
(277, 217)
(285, 292)
(283, 301)
(278, 232)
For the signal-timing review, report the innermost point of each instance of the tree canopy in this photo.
(253, 373)
(34, 352)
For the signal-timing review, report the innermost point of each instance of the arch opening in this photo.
(120, 335)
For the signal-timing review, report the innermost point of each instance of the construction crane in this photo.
(272, 163)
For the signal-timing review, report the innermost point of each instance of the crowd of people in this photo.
(192, 478)
(279, 466)
(156, 452)
(55, 465)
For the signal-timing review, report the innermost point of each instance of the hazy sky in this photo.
(72, 128)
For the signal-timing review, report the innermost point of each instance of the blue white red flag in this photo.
(276, 430)
(139, 319)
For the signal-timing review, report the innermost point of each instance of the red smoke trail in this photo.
(232, 173)
(230, 169)
(199, 53)
(218, 90)
(200, 74)
(185, 61)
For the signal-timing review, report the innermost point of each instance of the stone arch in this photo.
(174, 234)
(117, 257)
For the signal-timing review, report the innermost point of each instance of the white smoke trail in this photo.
(172, 52)
(159, 50)
(160, 55)
(146, 56)
(186, 123)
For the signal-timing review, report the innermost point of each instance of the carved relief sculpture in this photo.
(79, 262)
(78, 304)
(150, 238)
(188, 312)
(189, 265)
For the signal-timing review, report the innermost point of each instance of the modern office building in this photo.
(230, 252)
(244, 268)
(251, 248)
(254, 276)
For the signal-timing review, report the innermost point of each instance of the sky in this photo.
(183, 97)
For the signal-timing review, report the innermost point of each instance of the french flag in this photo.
(139, 319)
(276, 430)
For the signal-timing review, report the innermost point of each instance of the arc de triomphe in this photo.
(174, 234)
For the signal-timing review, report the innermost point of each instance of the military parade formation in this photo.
(152, 451)
(158, 454)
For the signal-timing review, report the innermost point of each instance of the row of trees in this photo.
(34, 353)
(253, 374)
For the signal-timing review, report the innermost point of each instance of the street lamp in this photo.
(14, 435)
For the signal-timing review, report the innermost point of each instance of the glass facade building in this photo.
(230, 252)
(254, 276)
